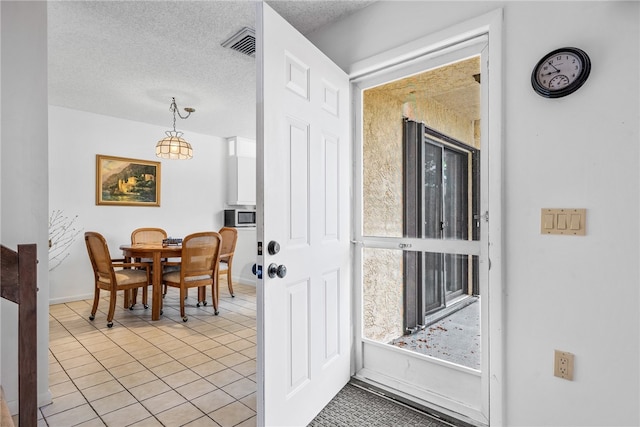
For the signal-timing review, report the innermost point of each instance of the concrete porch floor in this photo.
(455, 338)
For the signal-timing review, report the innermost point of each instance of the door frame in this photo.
(399, 61)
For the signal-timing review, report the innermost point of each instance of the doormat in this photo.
(354, 406)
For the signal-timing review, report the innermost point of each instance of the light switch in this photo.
(575, 222)
(563, 221)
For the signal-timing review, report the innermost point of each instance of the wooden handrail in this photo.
(19, 284)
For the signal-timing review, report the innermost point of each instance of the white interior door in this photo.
(303, 205)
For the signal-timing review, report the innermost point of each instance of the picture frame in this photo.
(121, 181)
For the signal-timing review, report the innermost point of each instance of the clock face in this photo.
(561, 72)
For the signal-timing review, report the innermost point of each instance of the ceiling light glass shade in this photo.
(173, 147)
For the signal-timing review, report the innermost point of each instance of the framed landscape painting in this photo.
(127, 182)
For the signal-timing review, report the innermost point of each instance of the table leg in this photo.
(156, 293)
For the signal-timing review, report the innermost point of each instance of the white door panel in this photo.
(303, 204)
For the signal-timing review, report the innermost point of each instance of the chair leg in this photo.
(182, 296)
(130, 298)
(145, 297)
(214, 297)
(96, 299)
(229, 283)
(202, 296)
(164, 285)
(134, 292)
(112, 307)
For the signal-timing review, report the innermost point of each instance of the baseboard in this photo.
(250, 281)
(71, 298)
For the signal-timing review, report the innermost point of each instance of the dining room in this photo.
(186, 205)
(157, 362)
(209, 368)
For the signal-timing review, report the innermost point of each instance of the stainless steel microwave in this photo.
(239, 218)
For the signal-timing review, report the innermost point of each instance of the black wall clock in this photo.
(560, 72)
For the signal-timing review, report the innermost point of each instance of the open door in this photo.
(303, 176)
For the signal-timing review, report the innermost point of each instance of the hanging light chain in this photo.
(173, 107)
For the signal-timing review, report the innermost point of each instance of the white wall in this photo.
(24, 174)
(579, 294)
(193, 192)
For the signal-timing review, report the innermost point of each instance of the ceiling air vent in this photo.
(244, 41)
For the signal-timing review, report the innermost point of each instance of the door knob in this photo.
(273, 247)
(282, 271)
(277, 270)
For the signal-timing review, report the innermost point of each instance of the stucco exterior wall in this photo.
(382, 197)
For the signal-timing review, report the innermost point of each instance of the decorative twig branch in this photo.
(62, 233)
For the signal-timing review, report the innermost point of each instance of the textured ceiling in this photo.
(454, 86)
(128, 59)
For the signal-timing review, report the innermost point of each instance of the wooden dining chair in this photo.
(148, 235)
(198, 266)
(228, 248)
(107, 278)
(229, 240)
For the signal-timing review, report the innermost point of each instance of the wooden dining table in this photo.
(156, 252)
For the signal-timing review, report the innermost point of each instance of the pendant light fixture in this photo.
(173, 146)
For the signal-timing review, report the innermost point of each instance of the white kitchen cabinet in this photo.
(241, 177)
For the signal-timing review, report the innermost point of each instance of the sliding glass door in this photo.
(439, 203)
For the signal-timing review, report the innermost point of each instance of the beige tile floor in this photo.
(146, 373)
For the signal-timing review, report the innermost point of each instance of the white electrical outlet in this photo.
(563, 365)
